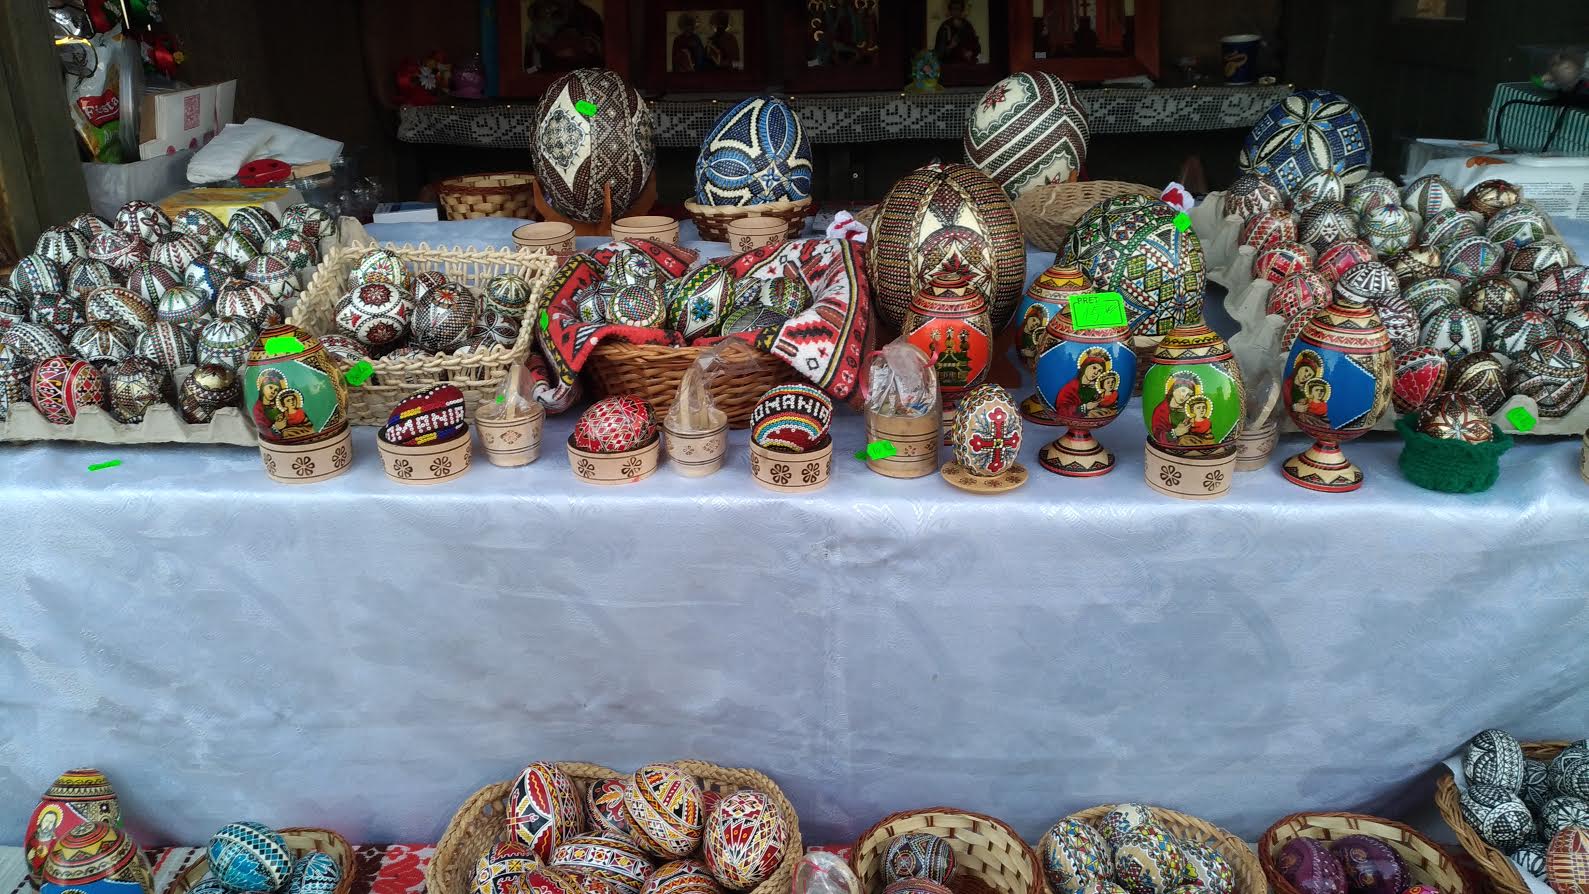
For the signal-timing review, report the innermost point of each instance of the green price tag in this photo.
(282, 344)
(877, 450)
(1183, 222)
(111, 464)
(1521, 419)
(1097, 310)
(585, 107)
(546, 320)
(359, 373)
(502, 398)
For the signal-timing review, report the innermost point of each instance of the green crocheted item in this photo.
(1451, 466)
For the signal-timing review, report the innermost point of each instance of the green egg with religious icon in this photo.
(292, 390)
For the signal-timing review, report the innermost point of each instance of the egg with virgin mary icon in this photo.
(96, 858)
(1085, 377)
(1338, 382)
(756, 153)
(1192, 393)
(292, 389)
(76, 797)
(1047, 296)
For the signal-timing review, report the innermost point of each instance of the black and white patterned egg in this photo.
(236, 246)
(104, 342)
(35, 274)
(1531, 857)
(119, 305)
(1568, 772)
(169, 345)
(63, 245)
(1560, 812)
(208, 273)
(593, 130)
(151, 279)
(175, 250)
(1536, 784)
(1499, 816)
(84, 275)
(131, 388)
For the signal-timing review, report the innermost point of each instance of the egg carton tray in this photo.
(161, 425)
(1257, 342)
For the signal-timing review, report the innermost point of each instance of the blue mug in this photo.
(1240, 54)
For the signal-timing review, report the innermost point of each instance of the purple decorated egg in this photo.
(1371, 865)
(1310, 866)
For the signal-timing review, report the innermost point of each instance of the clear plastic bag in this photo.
(899, 381)
(513, 400)
(820, 872)
(694, 410)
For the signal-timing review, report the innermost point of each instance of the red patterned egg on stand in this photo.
(792, 418)
(76, 797)
(986, 437)
(1338, 382)
(96, 858)
(615, 424)
(544, 809)
(63, 385)
(745, 839)
(665, 811)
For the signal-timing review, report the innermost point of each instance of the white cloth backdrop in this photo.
(363, 655)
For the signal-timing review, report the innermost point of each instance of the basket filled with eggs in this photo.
(1137, 849)
(755, 161)
(252, 858)
(1351, 853)
(941, 850)
(686, 827)
(423, 317)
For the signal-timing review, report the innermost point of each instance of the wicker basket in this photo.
(1428, 863)
(482, 820)
(478, 375)
(989, 856)
(1047, 213)
(507, 194)
(653, 372)
(712, 220)
(1249, 875)
(1502, 876)
(301, 841)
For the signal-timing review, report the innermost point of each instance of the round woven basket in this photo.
(1502, 876)
(1048, 212)
(712, 220)
(482, 820)
(1249, 875)
(506, 194)
(653, 372)
(301, 841)
(1428, 863)
(989, 857)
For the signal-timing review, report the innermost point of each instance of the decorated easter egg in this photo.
(986, 433)
(635, 305)
(1268, 228)
(1308, 131)
(90, 225)
(1368, 283)
(236, 247)
(209, 273)
(697, 301)
(1192, 392)
(310, 220)
(1481, 376)
(63, 245)
(664, 806)
(345, 350)
(1567, 861)
(209, 388)
(62, 314)
(754, 318)
(1536, 785)
(63, 385)
(1309, 865)
(131, 387)
(1562, 811)
(1250, 195)
(1528, 263)
(247, 301)
(494, 328)
(151, 279)
(1073, 854)
(576, 154)
(1498, 815)
(1122, 819)
(1298, 293)
(1470, 258)
(946, 217)
(745, 839)
(500, 868)
(1429, 195)
(291, 388)
(427, 280)
(36, 275)
(442, 318)
(432, 416)
(294, 249)
(254, 222)
(918, 855)
(250, 857)
(1281, 260)
(76, 797)
(375, 315)
(1560, 288)
(544, 809)
(1137, 249)
(84, 275)
(1454, 331)
(1373, 191)
(1028, 130)
(1371, 865)
(175, 250)
(787, 295)
(117, 250)
(31, 341)
(143, 220)
(756, 153)
(508, 294)
(546, 880)
(1417, 262)
(180, 304)
(1448, 226)
(1389, 229)
(104, 342)
(1326, 223)
(226, 340)
(16, 377)
(1568, 772)
(1148, 861)
(199, 225)
(1517, 226)
(1430, 295)
(612, 858)
(1342, 256)
(1206, 869)
(689, 877)
(1419, 374)
(1513, 336)
(169, 345)
(615, 424)
(1047, 296)
(1530, 858)
(1401, 322)
(13, 306)
(791, 418)
(604, 806)
(1492, 297)
(315, 873)
(1553, 372)
(96, 858)
(1492, 196)
(1319, 186)
(381, 265)
(273, 274)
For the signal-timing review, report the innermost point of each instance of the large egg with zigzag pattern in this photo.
(1028, 130)
(755, 154)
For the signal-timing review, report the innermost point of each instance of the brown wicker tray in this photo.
(1249, 875)
(989, 857)
(482, 819)
(712, 220)
(301, 841)
(1427, 861)
(1502, 876)
(653, 372)
(479, 375)
(1047, 213)
(505, 194)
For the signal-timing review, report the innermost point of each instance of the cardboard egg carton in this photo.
(161, 425)
(1257, 343)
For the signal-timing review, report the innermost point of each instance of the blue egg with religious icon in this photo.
(1085, 377)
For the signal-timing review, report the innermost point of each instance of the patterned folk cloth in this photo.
(381, 869)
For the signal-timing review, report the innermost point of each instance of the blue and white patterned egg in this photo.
(315, 873)
(756, 153)
(1073, 855)
(250, 857)
(202, 226)
(1308, 131)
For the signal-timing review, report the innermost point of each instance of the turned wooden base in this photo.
(603, 227)
(1323, 467)
(426, 463)
(916, 440)
(698, 454)
(1189, 477)
(626, 467)
(514, 442)
(1254, 445)
(1005, 481)
(1077, 454)
(308, 463)
(791, 473)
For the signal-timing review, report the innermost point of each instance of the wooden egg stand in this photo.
(603, 227)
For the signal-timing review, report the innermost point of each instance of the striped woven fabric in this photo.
(1525, 127)
(382, 869)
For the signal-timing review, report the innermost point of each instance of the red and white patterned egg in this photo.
(375, 315)
(1281, 260)
(614, 859)
(613, 425)
(745, 839)
(986, 433)
(63, 385)
(604, 805)
(544, 809)
(1295, 294)
(117, 250)
(1342, 256)
(1268, 228)
(682, 877)
(499, 869)
(664, 804)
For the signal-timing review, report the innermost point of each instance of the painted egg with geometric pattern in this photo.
(544, 809)
(169, 345)
(210, 387)
(1073, 854)
(1389, 229)
(1268, 228)
(104, 342)
(986, 432)
(792, 418)
(604, 806)
(500, 868)
(1149, 861)
(1209, 872)
(1295, 294)
(1308, 131)
(1429, 195)
(1281, 260)
(1420, 374)
(684, 877)
(143, 220)
(76, 797)
(208, 273)
(31, 341)
(756, 153)
(293, 249)
(1417, 262)
(345, 350)
(1498, 815)
(1512, 336)
(424, 282)
(1575, 321)
(1308, 865)
(1121, 819)
(199, 225)
(918, 855)
(1530, 858)
(1448, 226)
(493, 327)
(612, 858)
(1250, 195)
(1531, 261)
(577, 155)
(375, 315)
(1325, 223)
(1342, 256)
(1401, 322)
(1429, 295)
(254, 222)
(1568, 772)
(1319, 186)
(1553, 372)
(315, 873)
(614, 425)
(1368, 283)
(96, 858)
(84, 275)
(1374, 191)
(246, 300)
(13, 307)
(1536, 784)
(1028, 130)
(1492, 196)
(151, 280)
(271, 272)
(1562, 811)
(1454, 331)
(34, 275)
(180, 304)
(745, 839)
(63, 245)
(1481, 376)
(1520, 225)
(175, 250)
(508, 293)
(1492, 297)
(1372, 866)
(236, 247)
(1567, 861)
(635, 305)
(90, 225)
(381, 265)
(63, 314)
(310, 220)
(117, 250)
(131, 388)
(250, 857)
(1135, 248)
(226, 340)
(663, 801)
(441, 319)
(63, 385)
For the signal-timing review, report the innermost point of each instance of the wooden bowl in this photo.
(424, 464)
(792, 473)
(624, 467)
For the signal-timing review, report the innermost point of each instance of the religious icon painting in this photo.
(968, 37)
(843, 45)
(1085, 40)
(539, 41)
(705, 46)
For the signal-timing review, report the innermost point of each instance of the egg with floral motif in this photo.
(1420, 374)
(544, 809)
(1309, 866)
(604, 806)
(745, 839)
(986, 433)
(375, 315)
(500, 868)
(1148, 861)
(1073, 854)
(1028, 130)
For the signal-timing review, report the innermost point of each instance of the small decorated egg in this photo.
(310, 220)
(1492, 297)
(180, 304)
(76, 797)
(1298, 293)
(131, 388)
(1149, 861)
(254, 222)
(84, 275)
(292, 390)
(1531, 262)
(63, 385)
(63, 245)
(441, 320)
(1554, 372)
(1429, 195)
(96, 858)
(168, 345)
(293, 248)
(381, 265)
(1326, 223)
(117, 250)
(1417, 262)
(432, 416)
(663, 801)
(1401, 322)
(785, 295)
(1518, 226)
(236, 247)
(1420, 374)
(1498, 815)
(544, 809)
(1368, 283)
(697, 301)
(345, 350)
(1450, 226)
(1471, 258)
(1281, 260)
(792, 418)
(429, 279)
(151, 280)
(1268, 228)
(604, 806)
(756, 153)
(1073, 854)
(143, 220)
(1513, 336)
(375, 315)
(1307, 864)
(986, 434)
(1319, 186)
(581, 159)
(1389, 229)
(1207, 870)
(1250, 195)
(1454, 331)
(493, 327)
(1371, 865)
(90, 225)
(1530, 858)
(199, 225)
(1567, 861)
(635, 305)
(754, 318)
(508, 294)
(36, 275)
(918, 855)
(745, 839)
(209, 388)
(104, 342)
(315, 873)
(270, 272)
(500, 868)
(175, 250)
(63, 314)
(692, 877)
(1562, 811)
(208, 273)
(226, 340)
(1375, 191)
(32, 342)
(1481, 376)
(1429, 295)
(1028, 130)
(247, 301)
(1123, 818)
(1334, 261)
(611, 858)
(250, 857)
(1536, 784)
(1492, 196)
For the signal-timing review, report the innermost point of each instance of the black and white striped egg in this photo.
(36, 274)
(182, 305)
(63, 245)
(175, 250)
(248, 300)
(280, 280)
(376, 315)
(255, 222)
(118, 305)
(381, 265)
(508, 294)
(236, 246)
(121, 251)
(226, 340)
(84, 275)
(443, 317)
(151, 279)
(90, 225)
(1498, 815)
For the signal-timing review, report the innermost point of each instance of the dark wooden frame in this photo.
(996, 42)
(617, 20)
(889, 71)
(751, 77)
(41, 179)
(1144, 58)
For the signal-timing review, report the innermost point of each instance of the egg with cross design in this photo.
(986, 434)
